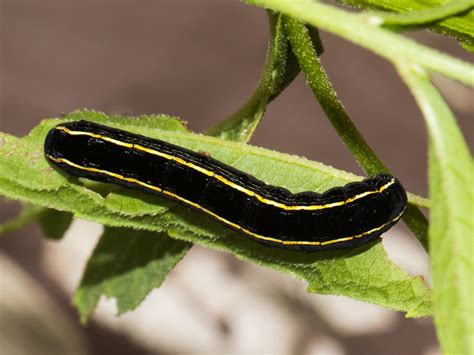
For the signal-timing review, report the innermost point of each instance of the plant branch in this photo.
(356, 28)
(322, 88)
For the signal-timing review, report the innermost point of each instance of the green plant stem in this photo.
(418, 200)
(356, 28)
(322, 88)
(27, 215)
(430, 15)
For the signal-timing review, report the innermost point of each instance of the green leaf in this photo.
(127, 265)
(50, 188)
(54, 223)
(451, 231)
(358, 29)
(460, 27)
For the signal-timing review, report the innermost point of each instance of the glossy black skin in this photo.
(351, 219)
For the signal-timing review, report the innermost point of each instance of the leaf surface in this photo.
(364, 273)
(127, 265)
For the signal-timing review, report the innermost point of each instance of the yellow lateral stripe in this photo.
(236, 226)
(105, 172)
(226, 181)
(333, 241)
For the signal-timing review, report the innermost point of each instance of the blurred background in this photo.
(200, 60)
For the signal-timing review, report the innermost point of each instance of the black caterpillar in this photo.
(341, 217)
